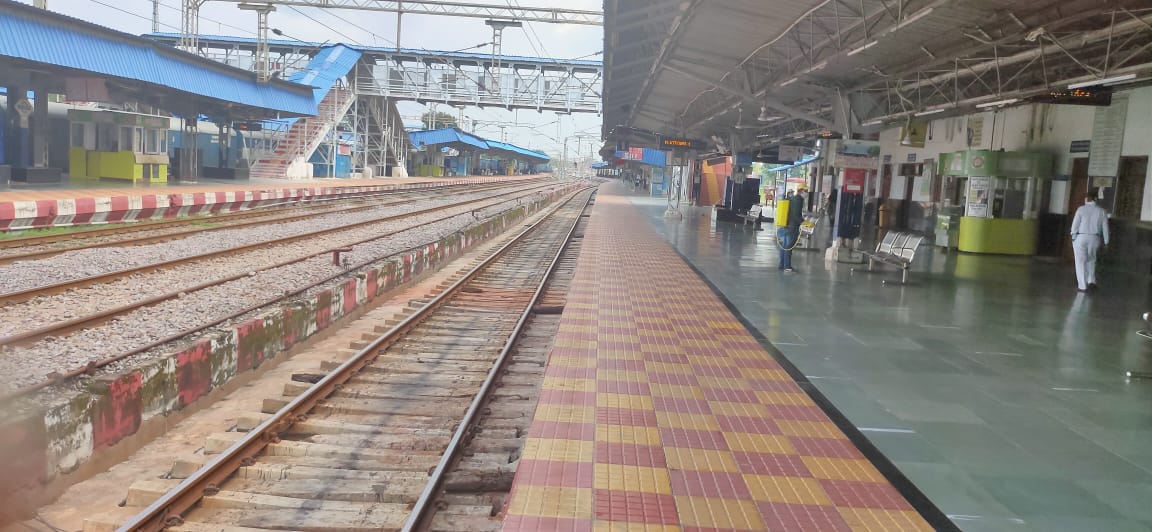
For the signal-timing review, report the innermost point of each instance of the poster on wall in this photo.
(978, 192)
(854, 179)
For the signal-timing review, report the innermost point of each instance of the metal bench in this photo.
(753, 215)
(808, 231)
(898, 248)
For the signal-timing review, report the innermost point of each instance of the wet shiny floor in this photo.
(991, 383)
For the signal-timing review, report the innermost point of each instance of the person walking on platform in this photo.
(1089, 230)
(788, 234)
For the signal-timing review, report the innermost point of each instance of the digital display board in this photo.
(1097, 96)
(674, 143)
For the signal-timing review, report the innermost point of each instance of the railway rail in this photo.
(166, 230)
(59, 329)
(369, 444)
(20, 296)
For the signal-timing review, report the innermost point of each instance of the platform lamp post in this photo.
(497, 44)
(262, 11)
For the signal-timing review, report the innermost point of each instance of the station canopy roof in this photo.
(448, 137)
(460, 140)
(757, 72)
(88, 62)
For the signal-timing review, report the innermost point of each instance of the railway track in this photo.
(367, 443)
(67, 372)
(36, 247)
(20, 296)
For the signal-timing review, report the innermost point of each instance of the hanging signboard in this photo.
(978, 192)
(791, 153)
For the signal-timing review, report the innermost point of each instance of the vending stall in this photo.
(1000, 195)
(107, 144)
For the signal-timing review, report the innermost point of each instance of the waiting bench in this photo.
(753, 215)
(897, 248)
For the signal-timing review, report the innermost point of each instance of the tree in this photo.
(443, 120)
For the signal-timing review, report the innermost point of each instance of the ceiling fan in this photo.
(740, 121)
(765, 116)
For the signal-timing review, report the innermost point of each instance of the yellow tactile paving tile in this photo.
(788, 490)
(628, 434)
(632, 478)
(712, 512)
(700, 460)
(679, 418)
(558, 450)
(565, 413)
(842, 468)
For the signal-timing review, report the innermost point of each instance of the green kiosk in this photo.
(1000, 194)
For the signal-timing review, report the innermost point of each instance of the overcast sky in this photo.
(379, 29)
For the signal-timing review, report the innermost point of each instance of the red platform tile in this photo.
(798, 413)
(857, 494)
(555, 473)
(656, 377)
(636, 507)
(624, 387)
(730, 395)
(683, 406)
(630, 454)
(717, 371)
(781, 465)
(831, 448)
(625, 416)
(780, 516)
(693, 439)
(559, 430)
(709, 484)
(568, 397)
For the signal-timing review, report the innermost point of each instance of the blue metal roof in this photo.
(447, 136)
(797, 163)
(41, 36)
(517, 150)
(475, 56)
(330, 64)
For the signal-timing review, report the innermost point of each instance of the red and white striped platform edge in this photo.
(44, 213)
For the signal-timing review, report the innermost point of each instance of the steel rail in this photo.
(58, 328)
(20, 296)
(113, 228)
(57, 378)
(244, 217)
(169, 508)
(423, 504)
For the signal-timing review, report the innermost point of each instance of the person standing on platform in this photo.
(787, 235)
(1089, 230)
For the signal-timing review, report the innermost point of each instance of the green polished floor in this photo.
(992, 384)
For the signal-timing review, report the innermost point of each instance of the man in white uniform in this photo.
(1089, 229)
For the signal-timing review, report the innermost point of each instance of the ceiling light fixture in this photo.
(789, 82)
(998, 103)
(1105, 81)
(862, 48)
(872, 123)
(932, 112)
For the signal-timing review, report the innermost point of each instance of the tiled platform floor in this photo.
(661, 412)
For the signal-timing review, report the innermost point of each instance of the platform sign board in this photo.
(791, 153)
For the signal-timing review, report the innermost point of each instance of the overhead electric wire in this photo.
(126, 12)
(225, 24)
(330, 28)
